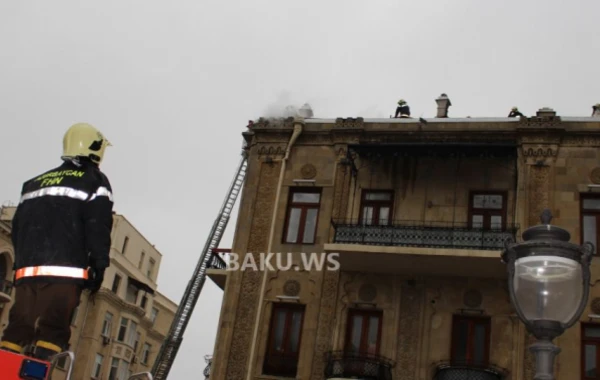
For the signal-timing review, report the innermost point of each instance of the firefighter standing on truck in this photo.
(61, 236)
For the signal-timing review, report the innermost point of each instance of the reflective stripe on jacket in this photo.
(64, 220)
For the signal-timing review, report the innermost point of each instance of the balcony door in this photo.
(487, 210)
(363, 334)
(470, 341)
(376, 207)
(590, 351)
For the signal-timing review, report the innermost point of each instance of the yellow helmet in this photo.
(84, 140)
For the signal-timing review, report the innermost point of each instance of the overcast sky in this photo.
(172, 85)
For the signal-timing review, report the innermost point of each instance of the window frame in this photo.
(116, 280)
(366, 314)
(270, 351)
(585, 341)
(378, 204)
(487, 213)
(473, 320)
(589, 212)
(304, 207)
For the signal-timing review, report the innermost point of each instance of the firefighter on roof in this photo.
(403, 110)
(514, 112)
(61, 235)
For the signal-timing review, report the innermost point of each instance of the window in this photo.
(590, 218)
(487, 210)
(131, 337)
(97, 368)
(116, 283)
(363, 331)
(141, 260)
(125, 242)
(144, 302)
(132, 293)
(590, 350)
(281, 358)
(153, 314)
(114, 368)
(127, 331)
(138, 336)
(107, 324)
(376, 207)
(146, 353)
(302, 215)
(150, 268)
(470, 340)
(123, 329)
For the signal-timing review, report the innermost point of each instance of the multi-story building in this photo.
(120, 331)
(414, 211)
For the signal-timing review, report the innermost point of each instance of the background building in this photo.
(121, 330)
(418, 211)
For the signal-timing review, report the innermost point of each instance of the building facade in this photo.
(120, 331)
(414, 212)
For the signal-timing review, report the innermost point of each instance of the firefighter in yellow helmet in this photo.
(514, 112)
(61, 237)
(403, 110)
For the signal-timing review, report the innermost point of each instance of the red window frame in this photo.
(377, 205)
(304, 208)
(470, 349)
(283, 362)
(488, 212)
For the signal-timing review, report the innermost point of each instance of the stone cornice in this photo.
(107, 295)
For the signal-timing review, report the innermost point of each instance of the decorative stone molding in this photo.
(595, 175)
(581, 141)
(595, 305)
(249, 292)
(272, 150)
(367, 292)
(112, 298)
(349, 123)
(274, 123)
(472, 298)
(325, 325)
(308, 171)
(539, 153)
(291, 288)
(409, 332)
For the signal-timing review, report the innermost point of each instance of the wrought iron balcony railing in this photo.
(6, 287)
(422, 234)
(453, 370)
(358, 366)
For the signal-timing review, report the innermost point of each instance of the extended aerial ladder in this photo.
(166, 356)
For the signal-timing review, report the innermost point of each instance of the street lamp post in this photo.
(548, 282)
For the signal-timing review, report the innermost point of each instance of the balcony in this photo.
(5, 291)
(422, 234)
(217, 267)
(345, 365)
(416, 247)
(466, 371)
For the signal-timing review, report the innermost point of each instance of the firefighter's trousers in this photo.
(41, 315)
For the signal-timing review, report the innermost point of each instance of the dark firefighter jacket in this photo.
(64, 220)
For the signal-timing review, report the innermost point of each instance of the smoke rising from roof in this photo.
(283, 107)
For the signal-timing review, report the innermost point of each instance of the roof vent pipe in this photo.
(443, 103)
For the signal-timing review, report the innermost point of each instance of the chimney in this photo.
(443, 103)
(596, 112)
(546, 112)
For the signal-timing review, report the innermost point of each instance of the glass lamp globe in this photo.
(548, 288)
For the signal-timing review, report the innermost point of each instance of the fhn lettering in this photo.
(55, 178)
